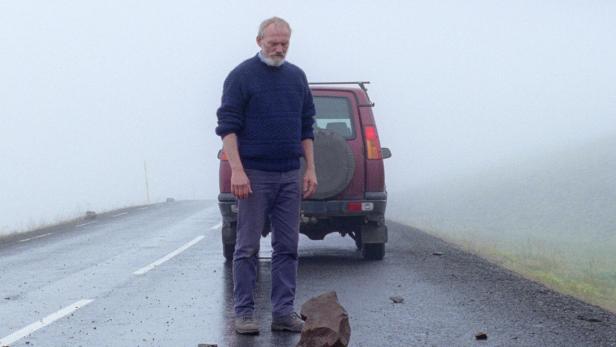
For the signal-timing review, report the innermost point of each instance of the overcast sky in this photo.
(92, 90)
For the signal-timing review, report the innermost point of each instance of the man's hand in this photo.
(240, 184)
(310, 183)
(310, 176)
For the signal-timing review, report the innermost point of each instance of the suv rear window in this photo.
(334, 114)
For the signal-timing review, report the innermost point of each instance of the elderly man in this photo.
(265, 121)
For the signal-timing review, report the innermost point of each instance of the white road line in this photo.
(84, 224)
(7, 340)
(35, 237)
(119, 214)
(216, 226)
(168, 256)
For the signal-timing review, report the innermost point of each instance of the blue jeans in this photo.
(276, 195)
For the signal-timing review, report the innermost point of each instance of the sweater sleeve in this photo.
(231, 112)
(308, 112)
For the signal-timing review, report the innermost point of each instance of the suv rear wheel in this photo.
(373, 251)
(228, 248)
(227, 251)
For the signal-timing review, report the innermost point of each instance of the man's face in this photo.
(275, 43)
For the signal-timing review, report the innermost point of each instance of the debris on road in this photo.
(90, 215)
(170, 200)
(437, 253)
(592, 320)
(481, 336)
(396, 299)
(327, 322)
(207, 345)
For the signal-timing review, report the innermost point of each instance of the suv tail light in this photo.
(373, 146)
(358, 206)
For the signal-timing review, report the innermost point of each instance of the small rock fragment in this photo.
(437, 253)
(207, 345)
(588, 319)
(481, 336)
(396, 299)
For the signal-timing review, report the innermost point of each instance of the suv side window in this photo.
(334, 114)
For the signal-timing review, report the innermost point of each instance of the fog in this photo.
(466, 93)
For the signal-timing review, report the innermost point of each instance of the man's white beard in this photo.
(272, 62)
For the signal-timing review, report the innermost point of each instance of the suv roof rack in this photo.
(361, 84)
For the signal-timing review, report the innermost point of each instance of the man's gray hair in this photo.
(273, 20)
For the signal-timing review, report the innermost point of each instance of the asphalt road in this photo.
(155, 276)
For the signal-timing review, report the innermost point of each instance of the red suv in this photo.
(351, 195)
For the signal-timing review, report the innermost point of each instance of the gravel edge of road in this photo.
(548, 305)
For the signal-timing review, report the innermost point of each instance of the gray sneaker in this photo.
(246, 325)
(292, 322)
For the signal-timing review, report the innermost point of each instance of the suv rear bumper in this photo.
(341, 208)
(317, 208)
(322, 217)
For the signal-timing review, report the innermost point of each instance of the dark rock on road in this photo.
(396, 299)
(481, 336)
(327, 322)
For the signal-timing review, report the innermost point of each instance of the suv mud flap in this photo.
(371, 233)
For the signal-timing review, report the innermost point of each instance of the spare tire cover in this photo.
(334, 164)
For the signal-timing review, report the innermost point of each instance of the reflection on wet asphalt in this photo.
(187, 300)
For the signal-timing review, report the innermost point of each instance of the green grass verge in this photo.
(588, 277)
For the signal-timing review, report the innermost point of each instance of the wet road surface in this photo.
(155, 276)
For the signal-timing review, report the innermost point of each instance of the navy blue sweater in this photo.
(270, 109)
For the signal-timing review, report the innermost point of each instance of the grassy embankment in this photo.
(551, 218)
